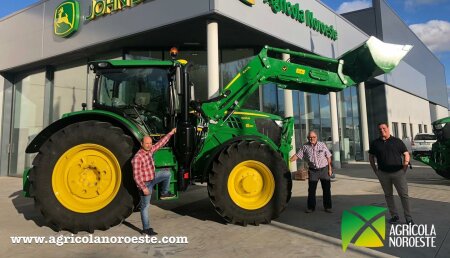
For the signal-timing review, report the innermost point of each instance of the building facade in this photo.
(44, 55)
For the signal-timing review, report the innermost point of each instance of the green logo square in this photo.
(363, 226)
(66, 18)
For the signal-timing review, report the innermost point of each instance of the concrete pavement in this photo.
(293, 234)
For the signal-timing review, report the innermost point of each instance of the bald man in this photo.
(145, 177)
(319, 168)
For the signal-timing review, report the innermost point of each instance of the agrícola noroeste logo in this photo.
(363, 226)
(66, 18)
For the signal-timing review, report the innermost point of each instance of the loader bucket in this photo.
(372, 58)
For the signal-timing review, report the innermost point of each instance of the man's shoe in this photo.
(328, 210)
(410, 221)
(394, 220)
(309, 210)
(150, 232)
(167, 196)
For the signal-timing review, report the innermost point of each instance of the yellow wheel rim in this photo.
(86, 178)
(251, 185)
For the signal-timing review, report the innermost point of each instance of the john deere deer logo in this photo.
(248, 2)
(66, 18)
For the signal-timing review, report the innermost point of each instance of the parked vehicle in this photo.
(439, 157)
(422, 144)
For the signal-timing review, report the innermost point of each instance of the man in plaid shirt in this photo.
(145, 177)
(319, 162)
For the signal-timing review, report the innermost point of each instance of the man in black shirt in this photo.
(388, 151)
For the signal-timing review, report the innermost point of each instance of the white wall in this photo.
(438, 112)
(406, 108)
(2, 80)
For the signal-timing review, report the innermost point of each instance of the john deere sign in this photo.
(294, 11)
(66, 18)
(103, 7)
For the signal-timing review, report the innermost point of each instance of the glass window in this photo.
(198, 72)
(346, 124)
(395, 129)
(280, 100)
(147, 88)
(314, 112)
(144, 55)
(404, 131)
(425, 128)
(233, 60)
(270, 98)
(359, 155)
(28, 119)
(420, 128)
(325, 118)
(70, 89)
(297, 124)
(349, 124)
(304, 126)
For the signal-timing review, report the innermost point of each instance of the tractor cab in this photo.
(146, 93)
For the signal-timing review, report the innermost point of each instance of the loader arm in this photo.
(310, 73)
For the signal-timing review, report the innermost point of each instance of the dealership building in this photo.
(45, 49)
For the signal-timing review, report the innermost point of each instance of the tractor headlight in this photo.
(103, 65)
(439, 126)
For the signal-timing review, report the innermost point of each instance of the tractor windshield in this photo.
(145, 90)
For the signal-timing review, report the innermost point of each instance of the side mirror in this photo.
(84, 105)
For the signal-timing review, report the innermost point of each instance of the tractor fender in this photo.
(127, 126)
(226, 144)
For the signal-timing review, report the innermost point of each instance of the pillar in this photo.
(363, 115)
(213, 58)
(335, 131)
(289, 112)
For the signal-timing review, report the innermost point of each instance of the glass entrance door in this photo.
(28, 120)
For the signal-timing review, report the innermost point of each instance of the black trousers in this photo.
(314, 177)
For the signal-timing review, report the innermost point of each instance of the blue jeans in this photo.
(162, 176)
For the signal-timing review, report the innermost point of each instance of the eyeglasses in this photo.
(312, 137)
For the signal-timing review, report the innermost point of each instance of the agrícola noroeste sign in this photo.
(302, 16)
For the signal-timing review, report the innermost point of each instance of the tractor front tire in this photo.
(79, 177)
(249, 183)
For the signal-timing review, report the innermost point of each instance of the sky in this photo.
(429, 19)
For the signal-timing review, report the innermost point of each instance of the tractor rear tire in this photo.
(443, 173)
(81, 175)
(249, 183)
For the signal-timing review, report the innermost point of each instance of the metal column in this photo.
(213, 58)
(363, 115)
(289, 112)
(335, 131)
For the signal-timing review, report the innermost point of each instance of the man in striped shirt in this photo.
(319, 162)
(145, 177)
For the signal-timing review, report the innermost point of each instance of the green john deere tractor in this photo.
(439, 158)
(81, 178)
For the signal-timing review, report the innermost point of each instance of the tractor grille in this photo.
(270, 129)
(235, 122)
